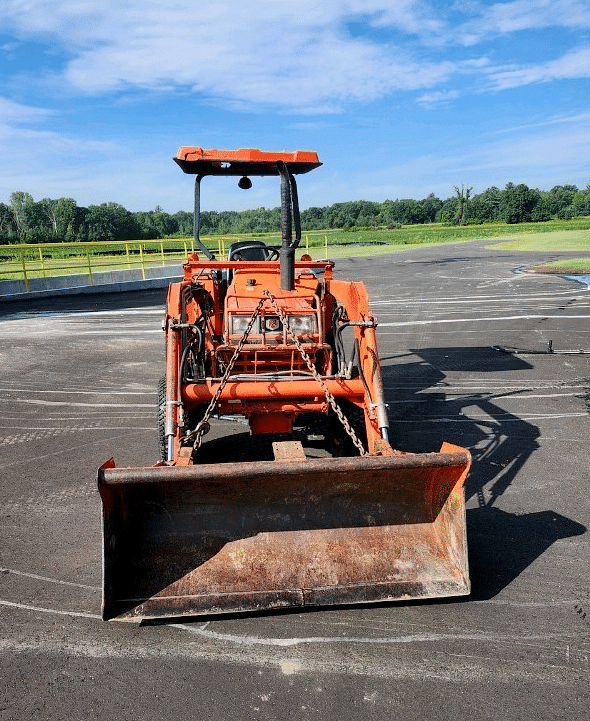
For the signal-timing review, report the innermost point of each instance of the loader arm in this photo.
(353, 297)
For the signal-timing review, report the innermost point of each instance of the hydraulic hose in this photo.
(295, 210)
(286, 218)
(287, 251)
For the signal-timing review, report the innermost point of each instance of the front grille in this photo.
(265, 360)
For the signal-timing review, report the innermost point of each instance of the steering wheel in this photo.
(271, 253)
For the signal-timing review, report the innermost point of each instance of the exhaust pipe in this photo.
(289, 217)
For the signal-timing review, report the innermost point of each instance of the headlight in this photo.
(239, 323)
(302, 324)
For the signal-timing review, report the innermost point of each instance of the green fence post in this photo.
(306, 243)
(326, 238)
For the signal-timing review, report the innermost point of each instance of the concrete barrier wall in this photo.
(115, 281)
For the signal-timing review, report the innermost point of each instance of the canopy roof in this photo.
(244, 161)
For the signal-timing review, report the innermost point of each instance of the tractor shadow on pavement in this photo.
(429, 403)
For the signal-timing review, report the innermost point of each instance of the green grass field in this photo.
(570, 266)
(559, 235)
(557, 240)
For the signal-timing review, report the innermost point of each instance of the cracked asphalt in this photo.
(78, 381)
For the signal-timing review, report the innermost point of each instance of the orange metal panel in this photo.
(271, 423)
(250, 155)
(245, 161)
(250, 408)
(291, 389)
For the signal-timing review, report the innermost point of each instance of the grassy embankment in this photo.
(557, 241)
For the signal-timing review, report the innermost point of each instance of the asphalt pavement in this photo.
(78, 378)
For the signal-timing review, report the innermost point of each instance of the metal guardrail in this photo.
(23, 262)
(26, 261)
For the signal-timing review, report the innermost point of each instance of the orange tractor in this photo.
(311, 506)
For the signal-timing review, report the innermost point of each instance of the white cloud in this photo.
(297, 55)
(409, 16)
(301, 57)
(438, 97)
(575, 64)
(46, 162)
(540, 155)
(547, 122)
(12, 112)
(509, 17)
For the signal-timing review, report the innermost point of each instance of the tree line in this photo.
(24, 220)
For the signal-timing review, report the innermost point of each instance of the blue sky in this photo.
(400, 98)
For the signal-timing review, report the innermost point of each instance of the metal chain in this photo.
(329, 397)
(202, 426)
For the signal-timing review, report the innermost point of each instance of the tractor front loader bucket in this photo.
(231, 537)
